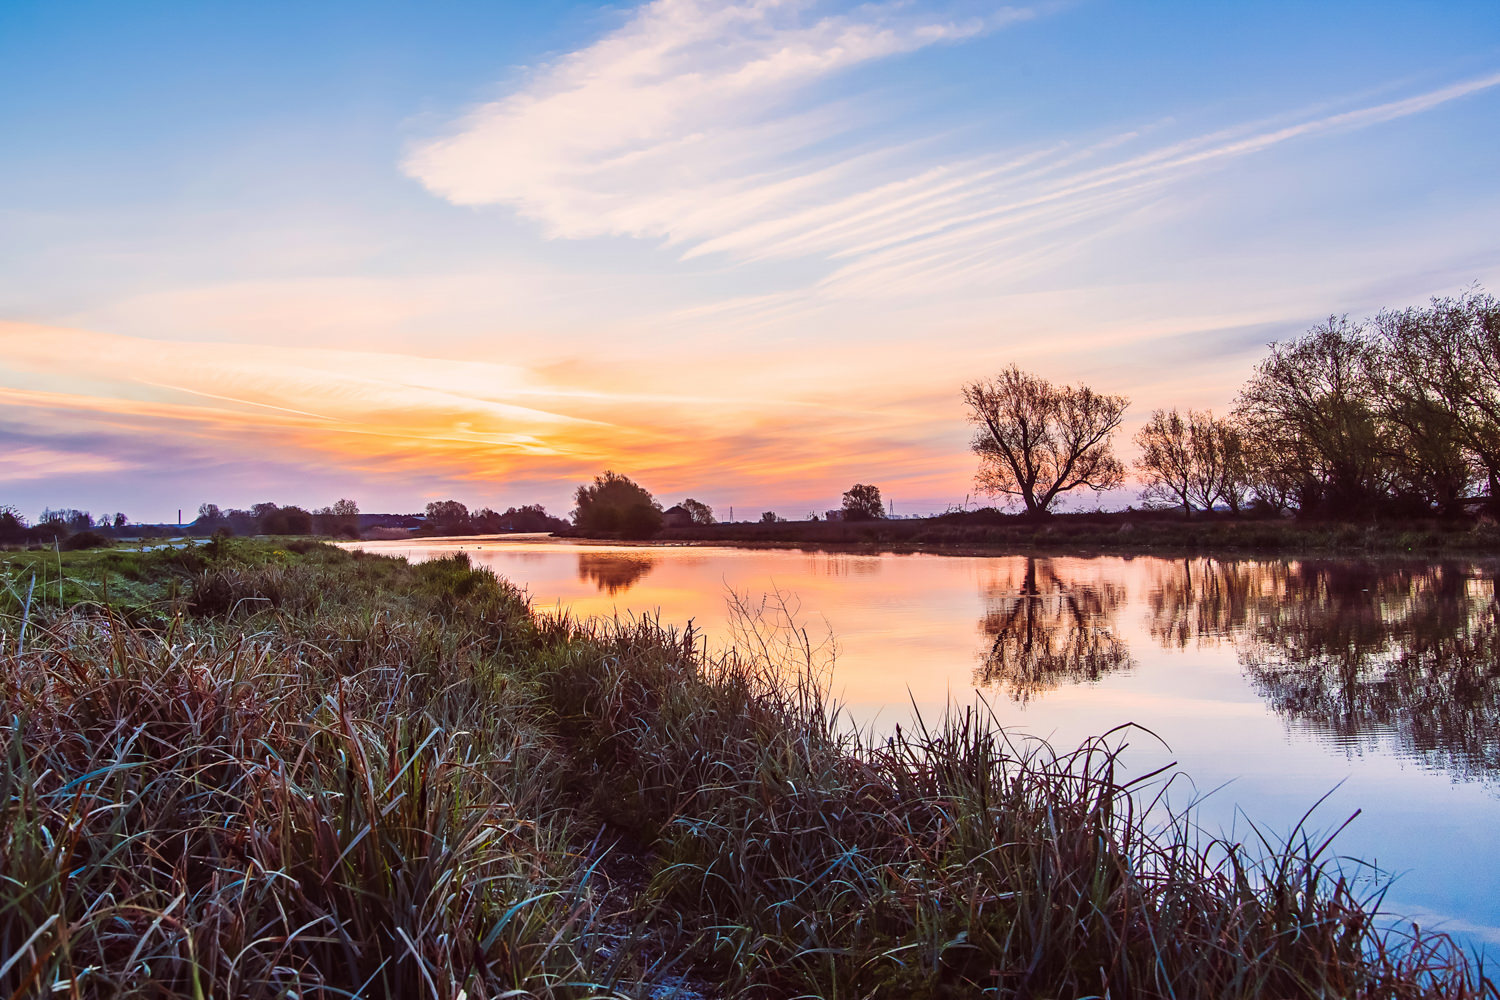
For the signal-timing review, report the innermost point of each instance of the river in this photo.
(1371, 684)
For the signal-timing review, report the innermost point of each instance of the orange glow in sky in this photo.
(745, 252)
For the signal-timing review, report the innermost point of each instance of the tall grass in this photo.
(337, 775)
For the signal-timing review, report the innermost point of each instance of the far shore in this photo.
(990, 532)
(1126, 532)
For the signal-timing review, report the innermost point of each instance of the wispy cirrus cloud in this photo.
(43, 462)
(688, 120)
(706, 125)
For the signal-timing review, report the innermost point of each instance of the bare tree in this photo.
(1037, 440)
(1166, 461)
(1236, 478)
(1206, 442)
(1274, 481)
(1193, 461)
(1480, 350)
(700, 512)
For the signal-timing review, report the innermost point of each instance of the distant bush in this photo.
(84, 540)
(616, 504)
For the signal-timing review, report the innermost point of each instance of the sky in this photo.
(746, 252)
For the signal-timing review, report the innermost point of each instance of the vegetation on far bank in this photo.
(1397, 415)
(1117, 531)
(277, 769)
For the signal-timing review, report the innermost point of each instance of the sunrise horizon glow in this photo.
(746, 252)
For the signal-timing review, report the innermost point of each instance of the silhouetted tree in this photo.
(1235, 474)
(615, 504)
(340, 520)
(1166, 462)
(241, 522)
(69, 518)
(862, 503)
(1037, 440)
(1198, 460)
(289, 520)
(1206, 434)
(485, 521)
(701, 512)
(1273, 481)
(1441, 389)
(530, 517)
(12, 525)
(447, 517)
(1312, 405)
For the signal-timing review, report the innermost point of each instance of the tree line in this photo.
(1398, 414)
(615, 504)
(69, 527)
(451, 517)
(72, 528)
(339, 520)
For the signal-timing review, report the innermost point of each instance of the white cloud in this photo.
(679, 124)
(702, 124)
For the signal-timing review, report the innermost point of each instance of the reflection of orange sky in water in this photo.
(907, 627)
(911, 628)
(1061, 646)
(868, 606)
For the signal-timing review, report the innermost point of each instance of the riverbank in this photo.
(262, 768)
(1114, 532)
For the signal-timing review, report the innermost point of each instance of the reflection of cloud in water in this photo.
(613, 573)
(1045, 631)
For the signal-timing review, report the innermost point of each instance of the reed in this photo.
(324, 774)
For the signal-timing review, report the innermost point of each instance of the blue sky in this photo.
(744, 251)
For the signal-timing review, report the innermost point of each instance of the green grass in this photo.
(322, 773)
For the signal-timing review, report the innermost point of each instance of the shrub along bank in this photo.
(323, 773)
(1117, 531)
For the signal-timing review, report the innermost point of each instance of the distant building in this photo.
(833, 515)
(676, 516)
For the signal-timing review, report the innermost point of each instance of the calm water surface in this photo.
(1271, 683)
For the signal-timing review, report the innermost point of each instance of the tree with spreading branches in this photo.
(1037, 441)
(862, 503)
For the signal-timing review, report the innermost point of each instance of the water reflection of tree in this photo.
(613, 573)
(1363, 652)
(1045, 631)
(1194, 601)
(1358, 651)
